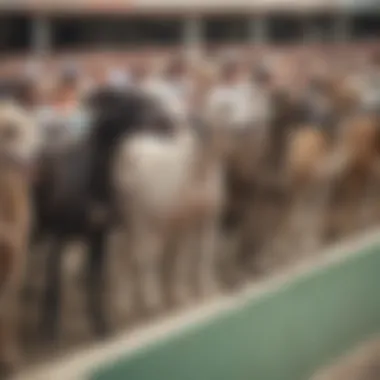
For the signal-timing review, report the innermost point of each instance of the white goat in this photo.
(174, 192)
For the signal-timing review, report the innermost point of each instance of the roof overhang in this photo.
(167, 6)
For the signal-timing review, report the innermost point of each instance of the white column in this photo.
(312, 32)
(41, 36)
(193, 38)
(258, 29)
(342, 27)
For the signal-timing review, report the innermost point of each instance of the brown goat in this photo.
(301, 226)
(17, 145)
(356, 183)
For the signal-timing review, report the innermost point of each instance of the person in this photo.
(118, 78)
(63, 117)
(316, 105)
(370, 85)
(140, 73)
(263, 89)
(165, 88)
(177, 76)
(21, 89)
(230, 101)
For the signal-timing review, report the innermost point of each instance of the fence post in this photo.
(193, 36)
(342, 27)
(258, 29)
(41, 36)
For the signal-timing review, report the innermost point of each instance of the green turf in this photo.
(285, 335)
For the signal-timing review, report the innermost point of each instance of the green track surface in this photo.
(284, 335)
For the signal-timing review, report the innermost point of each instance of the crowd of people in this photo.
(260, 153)
(189, 86)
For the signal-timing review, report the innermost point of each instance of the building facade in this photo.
(50, 25)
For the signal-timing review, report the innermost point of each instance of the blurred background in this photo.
(321, 52)
(76, 28)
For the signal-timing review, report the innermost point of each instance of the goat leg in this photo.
(146, 260)
(10, 313)
(96, 282)
(207, 265)
(52, 297)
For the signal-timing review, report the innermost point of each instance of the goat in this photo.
(74, 195)
(173, 187)
(19, 142)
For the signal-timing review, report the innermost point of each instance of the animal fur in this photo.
(174, 192)
(18, 137)
(75, 196)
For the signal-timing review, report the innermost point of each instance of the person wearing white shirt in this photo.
(179, 85)
(118, 78)
(169, 92)
(230, 102)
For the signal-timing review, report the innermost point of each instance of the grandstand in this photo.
(48, 25)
